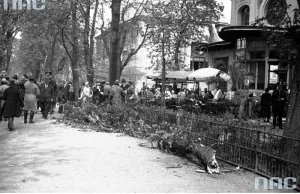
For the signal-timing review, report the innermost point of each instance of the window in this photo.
(245, 16)
(257, 69)
(241, 43)
(273, 77)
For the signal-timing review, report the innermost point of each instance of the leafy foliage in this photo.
(181, 22)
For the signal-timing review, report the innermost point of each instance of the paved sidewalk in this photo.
(43, 157)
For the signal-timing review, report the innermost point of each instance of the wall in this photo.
(219, 54)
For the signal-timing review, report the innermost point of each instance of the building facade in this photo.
(243, 42)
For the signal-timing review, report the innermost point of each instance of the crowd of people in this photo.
(28, 96)
(174, 96)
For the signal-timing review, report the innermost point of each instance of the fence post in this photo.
(257, 152)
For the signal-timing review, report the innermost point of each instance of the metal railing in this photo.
(252, 148)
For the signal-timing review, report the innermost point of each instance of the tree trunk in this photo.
(75, 69)
(86, 34)
(292, 127)
(114, 66)
(50, 59)
(92, 44)
(177, 52)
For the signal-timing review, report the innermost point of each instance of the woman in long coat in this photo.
(13, 103)
(265, 104)
(30, 99)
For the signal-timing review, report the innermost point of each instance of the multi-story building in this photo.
(242, 42)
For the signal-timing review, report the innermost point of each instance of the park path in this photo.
(44, 157)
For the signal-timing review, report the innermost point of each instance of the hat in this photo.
(98, 81)
(123, 80)
(12, 82)
(117, 82)
(15, 77)
(102, 82)
(31, 78)
(4, 80)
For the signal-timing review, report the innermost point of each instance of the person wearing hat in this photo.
(21, 86)
(279, 98)
(30, 99)
(47, 95)
(129, 91)
(52, 82)
(12, 104)
(3, 87)
(117, 94)
(15, 77)
(97, 93)
(106, 92)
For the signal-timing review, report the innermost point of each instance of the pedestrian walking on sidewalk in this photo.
(46, 97)
(13, 103)
(30, 99)
(3, 87)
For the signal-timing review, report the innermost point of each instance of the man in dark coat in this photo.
(279, 99)
(54, 85)
(13, 103)
(96, 93)
(46, 97)
(265, 105)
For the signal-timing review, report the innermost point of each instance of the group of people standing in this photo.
(102, 93)
(26, 95)
(278, 102)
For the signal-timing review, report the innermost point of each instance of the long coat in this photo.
(30, 99)
(117, 93)
(265, 104)
(13, 102)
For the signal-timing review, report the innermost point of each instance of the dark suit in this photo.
(279, 99)
(46, 97)
(54, 85)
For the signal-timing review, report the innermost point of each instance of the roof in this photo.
(231, 33)
(218, 45)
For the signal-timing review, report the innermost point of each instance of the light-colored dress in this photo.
(30, 100)
(2, 88)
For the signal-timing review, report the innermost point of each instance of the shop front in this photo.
(262, 62)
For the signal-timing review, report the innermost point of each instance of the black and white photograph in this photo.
(149, 96)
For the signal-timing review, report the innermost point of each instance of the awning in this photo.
(205, 73)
